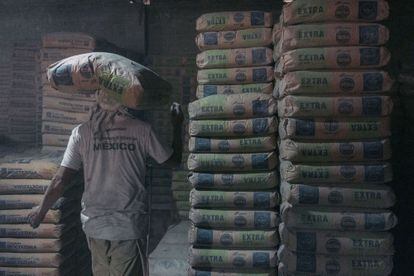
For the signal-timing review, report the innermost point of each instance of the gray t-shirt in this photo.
(114, 200)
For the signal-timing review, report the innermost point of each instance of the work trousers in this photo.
(116, 258)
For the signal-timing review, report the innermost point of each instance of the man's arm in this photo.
(177, 118)
(60, 181)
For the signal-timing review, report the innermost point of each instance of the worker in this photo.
(112, 148)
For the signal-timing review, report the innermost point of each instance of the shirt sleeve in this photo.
(72, 158)
(156, 150)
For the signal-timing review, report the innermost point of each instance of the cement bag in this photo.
(44, 231)
(233, 106)
(340, 243)
(304, 11)
(219, 219)
(19, 201)
(224, 272)
(235, 20)
(335, 34)
(30, 271)
(232, 128)
(31, 259)
(365, 196)
(180, 195)
(291, 263)
(334, 129)
(213, 89)
(55, 140)
(332, 82)
(237, 200)
(57, 128)
(332, 58)
(253, 144)
(335, 152)
(231, 182)
(180, 186)
(53, 115)
(20, 216)
(256, 37)
(232, 239)
(342, 219)
(257, 56)
(67, 105)
(242, 75)
(210, 162)
(219, 258)
(23, 186)
(376, 173)
(28, 169)
(365, 106)
(31, 245)
(119, 80)
(68, 40)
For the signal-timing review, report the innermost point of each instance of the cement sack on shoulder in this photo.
(291, 263)
(234, 20)
(68, 40)
(57, 128)
(341, 219)
(219, 219)
(180, 195)
(200, 237)
(305, 11)
(253, 144)
(31, 259)
(339, 242)
(51, 92)
(31, 245)
(255, 37)
(234, 200)
(334, 129)
(258, 56)
(118, 79)
(20, 216)
(235, 75)
(28, 168)
(231, 182)
(181, 185)
(375, 173)
(332, 83)
(365, 196)
(214, 89)
(233, 106)
(211, 162)
(23, 186)
(55, 140)
(233, 128)
(332, 58)
(224, 272)
(311, 152)
(67, 105)
(219, 258)
(333, 34)
(53, 115)
(44, 231)
(30, 271)
(365, 106)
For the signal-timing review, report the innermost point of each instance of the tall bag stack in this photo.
(56, 247)
(62, 111)
(334, 106)
(232, 148)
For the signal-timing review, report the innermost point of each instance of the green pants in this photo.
(115, 258)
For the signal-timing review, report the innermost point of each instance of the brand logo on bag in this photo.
(333, 245)
(228, 91)
(239, 261)
(331, 126)
(238, 17)
(346, 84)
(240, 77)
(239, 110)
(227, 179)
(346, 149)
(348, 223)
(343, 36)
(224, 145)
(335, 197)
(343, 59)
(342, 12)
(345, 106)
(229, 36)
(239, 128)
(348, 171)
(240, 59)
(226, 239)
(240, 201)
(238, 160)
(240, 221)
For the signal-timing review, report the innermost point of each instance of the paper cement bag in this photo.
(254, 144)
(214, 89)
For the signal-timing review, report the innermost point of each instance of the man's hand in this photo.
(35, 218)
(177, 115)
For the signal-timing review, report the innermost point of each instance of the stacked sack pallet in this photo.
(232, 148)
(24, 97)
(62, 111)
(334, 107)
(57, 247)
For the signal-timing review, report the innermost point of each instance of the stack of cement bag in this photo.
(61, 111)
(232, 148)
(181, 188)
(334, 108)
(57, 247)
(24, 96)
(5, 77)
